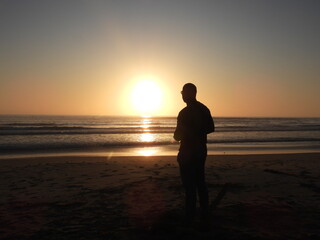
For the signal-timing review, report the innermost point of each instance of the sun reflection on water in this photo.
(146, 123)
(146, 137)
(147, 152)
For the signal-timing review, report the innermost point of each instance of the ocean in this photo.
(40, 135)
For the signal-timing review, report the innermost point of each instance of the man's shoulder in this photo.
(193, 109)
(183, 111)
(202, 106)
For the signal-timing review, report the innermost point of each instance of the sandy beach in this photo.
(270, 196)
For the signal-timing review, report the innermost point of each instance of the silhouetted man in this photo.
(193, 125)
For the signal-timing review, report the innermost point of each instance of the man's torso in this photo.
(194, 122)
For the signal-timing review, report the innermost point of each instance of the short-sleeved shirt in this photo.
(193, 124)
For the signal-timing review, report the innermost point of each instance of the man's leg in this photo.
(188, 178)
(202, 189)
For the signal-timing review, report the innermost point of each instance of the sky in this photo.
(248, 58)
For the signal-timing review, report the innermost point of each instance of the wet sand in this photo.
(271, 196)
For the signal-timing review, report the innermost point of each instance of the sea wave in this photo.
(27, 133)
(9, 147)
(53, 130)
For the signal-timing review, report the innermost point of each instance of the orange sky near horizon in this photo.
(86, 58)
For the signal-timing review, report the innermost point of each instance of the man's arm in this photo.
(210, 123)
(178, 132)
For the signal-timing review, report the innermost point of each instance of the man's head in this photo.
(189, 92)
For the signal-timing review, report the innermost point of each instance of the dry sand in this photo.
(79, 197)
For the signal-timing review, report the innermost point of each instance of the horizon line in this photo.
(144, 116)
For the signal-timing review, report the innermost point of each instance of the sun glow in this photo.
(146, 97)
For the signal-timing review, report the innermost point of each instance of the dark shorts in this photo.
(192, 167)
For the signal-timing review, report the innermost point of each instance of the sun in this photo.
(146, 97)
